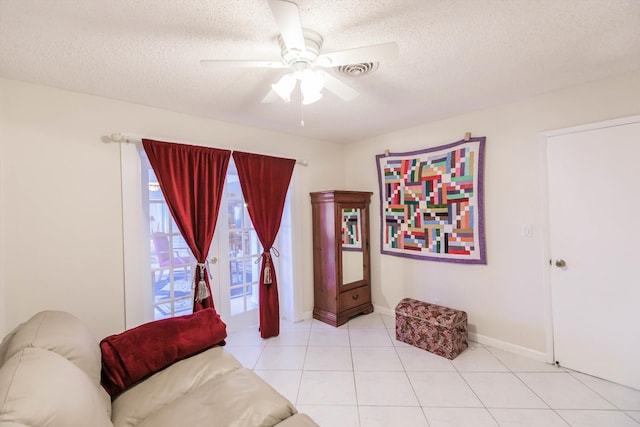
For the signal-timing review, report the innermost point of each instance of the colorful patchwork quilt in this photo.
(431, 203)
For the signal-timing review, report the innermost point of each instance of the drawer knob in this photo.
(356, 296)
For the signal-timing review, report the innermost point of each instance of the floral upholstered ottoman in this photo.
(437, 329)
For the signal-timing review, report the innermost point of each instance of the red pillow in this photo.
(139, 352)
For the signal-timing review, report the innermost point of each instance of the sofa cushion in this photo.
(61, 333)
(298, 420)
(161, 389)
(239, 398)
(4, 345)
(42, 388)
(139, 352)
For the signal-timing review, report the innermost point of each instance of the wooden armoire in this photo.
(341, 270)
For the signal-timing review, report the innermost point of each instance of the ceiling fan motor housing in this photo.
(300, 60)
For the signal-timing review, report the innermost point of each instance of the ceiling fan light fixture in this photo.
(311, 98)
(311, 85)
(284, 87)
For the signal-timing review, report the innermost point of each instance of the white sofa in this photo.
(50, 369)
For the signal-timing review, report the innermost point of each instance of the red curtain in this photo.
(191, 179)
(264, 181)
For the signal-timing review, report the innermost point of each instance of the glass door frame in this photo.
(236, 270)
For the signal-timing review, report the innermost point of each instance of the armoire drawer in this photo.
(354, 297)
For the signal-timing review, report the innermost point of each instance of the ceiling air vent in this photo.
(358, 70)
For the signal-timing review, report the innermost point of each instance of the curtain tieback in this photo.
(267, 264)
(202, 291)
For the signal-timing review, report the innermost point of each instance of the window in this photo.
(171, 259)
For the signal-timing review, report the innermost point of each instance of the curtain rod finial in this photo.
(118, 137)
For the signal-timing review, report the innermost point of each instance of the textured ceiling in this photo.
(455, 55)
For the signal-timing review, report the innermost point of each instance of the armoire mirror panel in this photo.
(352, 256)
(351, 267)
(341, 270)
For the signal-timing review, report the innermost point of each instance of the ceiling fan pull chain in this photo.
(301, 114)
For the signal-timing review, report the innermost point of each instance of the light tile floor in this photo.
(359, 375)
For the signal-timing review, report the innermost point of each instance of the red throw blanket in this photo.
(139, 352)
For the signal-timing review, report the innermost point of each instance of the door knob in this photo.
(560, 263)
(213, 260)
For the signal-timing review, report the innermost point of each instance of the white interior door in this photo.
(594, 235)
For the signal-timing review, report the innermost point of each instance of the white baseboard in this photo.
(506, 346)
(383, 310)
(307, 315)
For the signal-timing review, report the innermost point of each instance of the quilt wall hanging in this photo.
(351, 232)
(431, 203)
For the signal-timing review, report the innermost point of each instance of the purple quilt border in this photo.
(480, 198)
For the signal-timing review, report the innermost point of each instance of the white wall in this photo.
(60, 211)
(504, 299)
(61, 238)
(3, 108)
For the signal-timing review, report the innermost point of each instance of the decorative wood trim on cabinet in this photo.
(334, 301)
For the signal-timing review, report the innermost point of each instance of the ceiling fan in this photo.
(301, 54)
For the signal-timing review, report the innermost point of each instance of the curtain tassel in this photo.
(266, 258)
(203, 292)
(267, 275)
(267, 269)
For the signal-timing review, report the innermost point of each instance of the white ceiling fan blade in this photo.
(288, 21)
(374, 53)
(341, 90)
(213, 63)
(270, 97)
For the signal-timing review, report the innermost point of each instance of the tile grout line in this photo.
(594, 390)
(406, 374)
(617, 408)
(353, 375)
(473, 391)
(304, 361)
(538, 396)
